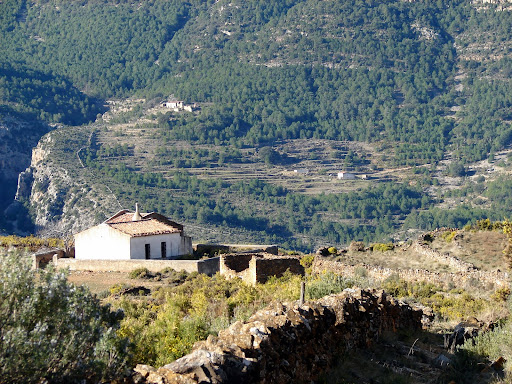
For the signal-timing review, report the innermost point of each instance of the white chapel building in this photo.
(133, 235)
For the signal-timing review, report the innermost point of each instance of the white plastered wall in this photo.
(173, 245)
(102, 242)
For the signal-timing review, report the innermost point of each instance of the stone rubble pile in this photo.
(285, 343)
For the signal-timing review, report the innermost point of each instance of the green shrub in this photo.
(423, 290)
(383, 247)
(307, 263)
(140, 273)
(327, 284)
(361, 272)
(116, 289)
(456, 308)
(493, 343)
(396, 286)
(31, 242)
(484, 224)
(332, 250)
(448, 236)
(52, 331)
(501, 294)
(167, 270)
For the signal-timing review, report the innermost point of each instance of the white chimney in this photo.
(136, 215)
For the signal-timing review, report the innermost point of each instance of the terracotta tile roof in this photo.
(143, 227)
(123, 217)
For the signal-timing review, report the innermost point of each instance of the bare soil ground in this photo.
(99, 282)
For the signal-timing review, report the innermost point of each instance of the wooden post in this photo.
(302, 293)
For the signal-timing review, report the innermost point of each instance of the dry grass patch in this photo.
(99, 282)
(399, 258)
(483, 249)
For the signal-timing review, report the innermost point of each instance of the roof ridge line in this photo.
(132, 221)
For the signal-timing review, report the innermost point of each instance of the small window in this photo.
(147, 251)
(163, 248)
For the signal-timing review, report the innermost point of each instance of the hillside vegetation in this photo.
(424, 86)
(168, 311)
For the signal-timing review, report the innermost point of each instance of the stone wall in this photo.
(274, 266)
(257, 268)
(231, 265)
(458, 279)
(207, 266)
(210, 249)
(444, 258)
(252, 268)
(285, 343)
(41, 259)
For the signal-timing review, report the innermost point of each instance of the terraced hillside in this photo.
(288, 193)
(416, 96)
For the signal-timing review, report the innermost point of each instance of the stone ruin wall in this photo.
(458, 279)
(444, 258)
(237, 265)
(42, 259)
(257, 268)
(276, 266)
(467, 273)
(287, 343)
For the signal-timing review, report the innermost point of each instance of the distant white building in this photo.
(174, 104)
(133, 235)
(346, 176)
(302, 171)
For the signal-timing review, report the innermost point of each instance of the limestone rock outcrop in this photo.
(17, 138)
(60, 197)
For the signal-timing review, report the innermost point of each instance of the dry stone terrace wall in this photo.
(459, 279)
(444, 258)
(285, 343)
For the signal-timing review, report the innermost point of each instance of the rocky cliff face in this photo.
(17, 138)
(61, 200)
(285, 343)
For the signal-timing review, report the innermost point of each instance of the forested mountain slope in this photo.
(424, 83)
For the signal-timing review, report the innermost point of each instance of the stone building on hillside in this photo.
(133, 235)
